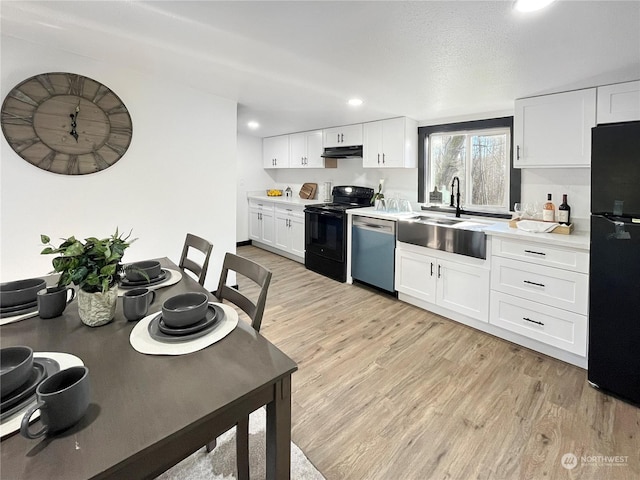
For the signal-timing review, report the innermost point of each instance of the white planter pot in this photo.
(97, 308)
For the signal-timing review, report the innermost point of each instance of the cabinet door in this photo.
(554, 130)
(346, 136)
(275, 152)
(267, 232)
(619, 102)
(255, 225)
(416, 275)
(296, 229)
(464, 289)
(314, 149)
(297, 150)
(282, 237)
(393, 142)
(372, 145)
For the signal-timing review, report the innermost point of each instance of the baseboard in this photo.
(243, 243)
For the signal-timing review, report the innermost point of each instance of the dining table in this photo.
(149, 412)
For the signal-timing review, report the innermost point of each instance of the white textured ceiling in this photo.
(292, 65)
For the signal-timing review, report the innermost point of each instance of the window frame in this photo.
(475, 126)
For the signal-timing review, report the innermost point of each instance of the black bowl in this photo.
(20, 292)
(133, 271)
(185, 309)
(16, 364)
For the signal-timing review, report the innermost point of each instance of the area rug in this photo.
(220, 464)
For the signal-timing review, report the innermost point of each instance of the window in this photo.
(479, 154)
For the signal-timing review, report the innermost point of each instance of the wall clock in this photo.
(66, 123)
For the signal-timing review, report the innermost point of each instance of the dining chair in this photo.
(254, 309)
(202, 245)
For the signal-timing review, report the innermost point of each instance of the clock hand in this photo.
(74, 117)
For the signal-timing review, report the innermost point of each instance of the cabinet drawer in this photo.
(546, 324)
(549, 286)
(260, 205)
(541, 254)
(297, 212)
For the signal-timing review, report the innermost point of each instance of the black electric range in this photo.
(326, 231)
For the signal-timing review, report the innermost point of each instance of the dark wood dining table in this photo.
(148, 412)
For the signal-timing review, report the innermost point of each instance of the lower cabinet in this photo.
(458, 285)
(277, 227)
(289, 230)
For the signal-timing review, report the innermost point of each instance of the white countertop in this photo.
(295, 200)
(499, 228)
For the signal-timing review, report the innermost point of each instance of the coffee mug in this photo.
(135, 303)
(53, 300)
(62, 399)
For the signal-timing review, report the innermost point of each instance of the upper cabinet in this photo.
(346, 136)
(554, 130)
(306, 149)
(275, 152)
(619, 102)
(390, 143)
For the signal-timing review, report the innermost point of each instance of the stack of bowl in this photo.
(16, 364)
(20, 296)
(185, 309)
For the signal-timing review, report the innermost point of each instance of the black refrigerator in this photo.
(614, 277)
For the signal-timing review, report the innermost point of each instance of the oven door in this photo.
(325, 234)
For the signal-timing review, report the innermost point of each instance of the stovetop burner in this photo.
(346, 197)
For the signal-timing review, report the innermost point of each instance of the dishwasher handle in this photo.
(375, 225)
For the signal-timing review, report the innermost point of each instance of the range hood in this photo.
(354, 151)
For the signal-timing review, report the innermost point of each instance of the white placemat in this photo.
(142, 341)
(17, 318)
(66, 360)
(175, 277)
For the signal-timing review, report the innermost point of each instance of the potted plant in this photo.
(378, 197)
(94, 267)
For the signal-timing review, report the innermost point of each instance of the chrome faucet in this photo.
(457, 205)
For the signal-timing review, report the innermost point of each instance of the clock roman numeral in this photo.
(76, 85)
(23, 97)
(101, 163)
(102, 91)
(121, 131)
(9, 118)
(119, 109)
(47, 160)
(45, 81)
(116, 148)
(20, 145)
(73, 167)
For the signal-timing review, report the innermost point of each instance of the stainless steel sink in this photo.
(440, 233)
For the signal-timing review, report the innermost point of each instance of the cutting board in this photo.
(308, 190)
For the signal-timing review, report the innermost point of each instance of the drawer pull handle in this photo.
(533, 321)
(534, 283)
(432, 269)
(439, 267)
(535, 253)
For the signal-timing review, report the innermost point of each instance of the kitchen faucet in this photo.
(457, 205)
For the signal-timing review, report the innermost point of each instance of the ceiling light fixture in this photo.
(531, 5)
(355, 102)
(253, 125)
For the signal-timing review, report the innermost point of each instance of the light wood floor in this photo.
(386, 390)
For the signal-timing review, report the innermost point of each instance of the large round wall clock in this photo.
(66, 123)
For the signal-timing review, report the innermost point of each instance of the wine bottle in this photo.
(548, 210)
(564, 211)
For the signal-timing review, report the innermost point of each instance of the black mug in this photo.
(53, 300)
(62, 399)
(135, 303)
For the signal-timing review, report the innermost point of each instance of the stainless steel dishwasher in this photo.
(373, 244)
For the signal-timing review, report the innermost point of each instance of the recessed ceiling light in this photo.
(253, 125)
(355, 102)
(531, 5)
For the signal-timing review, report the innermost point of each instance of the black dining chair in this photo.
(254, 309)
(186, 263)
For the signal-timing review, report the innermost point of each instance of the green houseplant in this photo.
(95, 268)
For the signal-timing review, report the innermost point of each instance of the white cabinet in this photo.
(261, 226)
(554, 130)
(455, 285)
(391, 143)
(541, 292)
(619, 102)
(275, 152)
(289, 230)
(306, 149)
(346, 136)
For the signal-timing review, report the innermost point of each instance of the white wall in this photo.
(177, 176)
